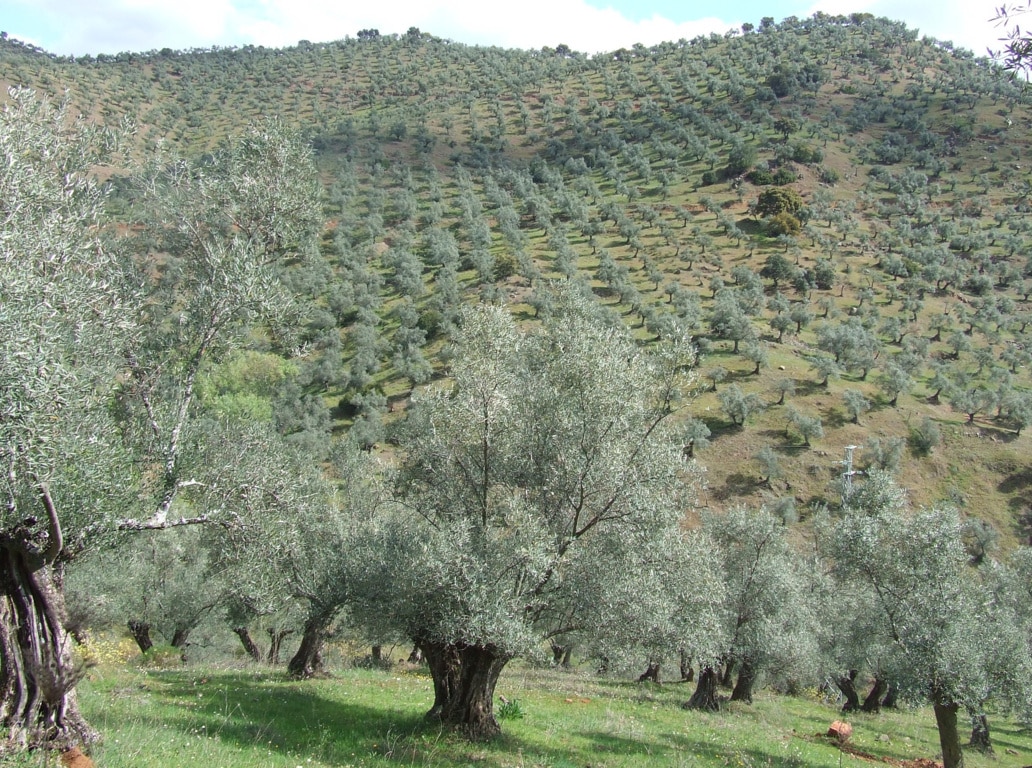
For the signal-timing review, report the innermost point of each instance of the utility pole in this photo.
(847, 475)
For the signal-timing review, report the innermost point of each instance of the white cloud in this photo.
(963, 22)
(110, 26)
(528, 24)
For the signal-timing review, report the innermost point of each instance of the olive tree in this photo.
(534, 488)
(768, 625)
(941, 634)
(101, 357)
(62, 324)
(223, 230)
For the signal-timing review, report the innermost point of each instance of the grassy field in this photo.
(225, 718)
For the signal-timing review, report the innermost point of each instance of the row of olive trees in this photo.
(539, 499)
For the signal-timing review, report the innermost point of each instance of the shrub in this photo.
(806, 153)
(783, 224)
(828, 176)
(925, 437)
(760, 176)
(162, 657)
(505, 265)
(780, 200)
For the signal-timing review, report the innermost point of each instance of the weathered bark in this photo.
(249, 644)
(845, 684)
(140, 630)
(949, 736)
(889, 702)
(651, 674)
(744, 686)
(442, 660)
(307, 661)
(561, 655)
(416, 656)
(38, 706)
(873, 701)
(980, 738)
(180, 636)
(687, 670)
(276, 638)
(705, 696)
(728, 673)
(464, 682)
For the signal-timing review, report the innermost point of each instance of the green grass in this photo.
(229, 718)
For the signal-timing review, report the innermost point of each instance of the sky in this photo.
(79, 27)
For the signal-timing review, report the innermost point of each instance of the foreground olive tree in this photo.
(63, 323)
(544, 476)
(101, 346)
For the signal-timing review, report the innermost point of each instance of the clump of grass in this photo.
(509, 709)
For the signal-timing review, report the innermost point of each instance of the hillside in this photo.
(882, 297)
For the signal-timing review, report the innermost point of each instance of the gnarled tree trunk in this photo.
(980, 738)
(249, 644)
(744, 686)
(729, 673)
(687, 670)
(845, 684)
(561, 655)
(307, 661)
(140, 630)
(873, 701)
(464, 682)
(180, 637)
(38, 706)
(705, 696)
(949, 737)
(651, 674)
(276, 638)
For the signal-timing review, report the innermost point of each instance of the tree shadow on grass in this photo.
(265, 712)
(722, 754)
(706, 752)
(736, 484)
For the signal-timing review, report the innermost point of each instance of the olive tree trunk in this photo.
(980, 738)
(180, 637)
(140, 630)
(307, 661)
(845, 684)
(651, 674)
(687, 670)
(249, 644)
(464, 683)
(873, 702)
(705, 696)
(744, 686)
(276, 638)
(38, 706)
(949, 736)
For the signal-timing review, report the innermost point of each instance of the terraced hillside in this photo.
(836, 210)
